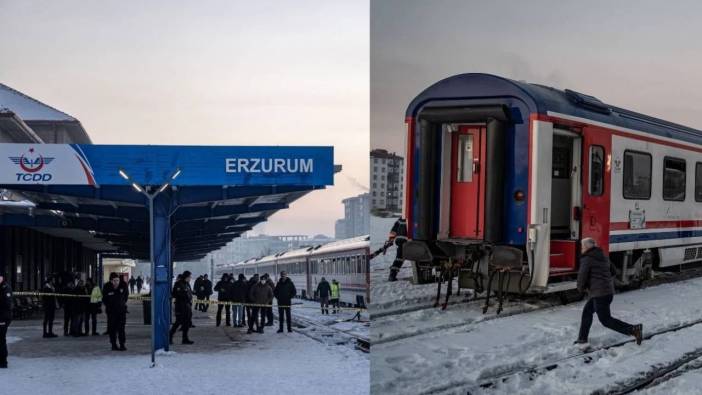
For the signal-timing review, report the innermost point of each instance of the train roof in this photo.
(342, 245)
(542, 99)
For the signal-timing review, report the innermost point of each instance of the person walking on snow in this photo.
(595, 277)
(323, 291)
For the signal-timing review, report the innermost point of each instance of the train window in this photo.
(465, 158)
(674, 174)
(596, 170)
(637, 175)
(698, 182)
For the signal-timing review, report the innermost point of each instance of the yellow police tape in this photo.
(196, 301)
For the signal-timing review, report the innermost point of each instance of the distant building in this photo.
(356, 220)
(340, 229)
(387, 181)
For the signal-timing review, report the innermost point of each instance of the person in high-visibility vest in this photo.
(335, 295)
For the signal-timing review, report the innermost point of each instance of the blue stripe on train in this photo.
(677, 234)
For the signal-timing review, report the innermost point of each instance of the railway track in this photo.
(511, 309)
(533, 371)
(326, 334)
(530, 305)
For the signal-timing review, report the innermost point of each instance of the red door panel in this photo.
(467, 182)
(597, 151)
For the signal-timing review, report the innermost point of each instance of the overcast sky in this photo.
(641, 55)
(207, 73)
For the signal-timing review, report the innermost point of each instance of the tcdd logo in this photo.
(31, 164)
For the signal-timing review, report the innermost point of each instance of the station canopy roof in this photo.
(95, 193)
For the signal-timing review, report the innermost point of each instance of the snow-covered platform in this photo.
(222, 359)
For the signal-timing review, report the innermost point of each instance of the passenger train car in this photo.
(344, 260)
(510, 176)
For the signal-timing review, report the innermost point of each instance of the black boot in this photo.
(393, 274)
(637, 332)
(187, 341)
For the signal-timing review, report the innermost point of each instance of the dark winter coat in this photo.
(284, 292)
(224, 290)
(323, 289)
(208, 286)
(139, 282)
(183, 295)
(5, 303)
(132, 282)
(115, 300)
(239, 291)
(199, 289)
(48, 301)
(261, 293)
(595, 274)
(250, 284)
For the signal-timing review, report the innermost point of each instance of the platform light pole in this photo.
(152, 285)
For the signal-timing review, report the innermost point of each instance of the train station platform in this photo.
(222, 359)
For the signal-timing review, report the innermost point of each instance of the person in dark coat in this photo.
(259, 294)
(80, 307)
(249, 309)
(595, 277)
(5, 318)
(198, 290)
(183, 295)
(114, 297)
(132, 284)
(139, 284)
(49, 304)
(398, 236)
(269, 310)
(207, 284)
(284, 292)
(239, 296)
(323, 292)
(68, 305)
(224, 291)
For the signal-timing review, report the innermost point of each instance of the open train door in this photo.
(596, 186)
(467, 182)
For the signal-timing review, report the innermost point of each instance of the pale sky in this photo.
(206, 73)
(645, 56)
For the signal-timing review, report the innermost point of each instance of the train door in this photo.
(565, 200)
(596, 180)
(467, 182)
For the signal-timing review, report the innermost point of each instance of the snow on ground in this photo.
(419, 349)
(222, 359)
(462, 356)
(297, 364)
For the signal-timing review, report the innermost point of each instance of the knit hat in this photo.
(186, 274)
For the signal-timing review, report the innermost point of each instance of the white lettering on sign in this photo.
(268, 165)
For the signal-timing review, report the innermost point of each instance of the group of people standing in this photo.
(252, 301)
(329, 293)
(80, 310)
(137, 282)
